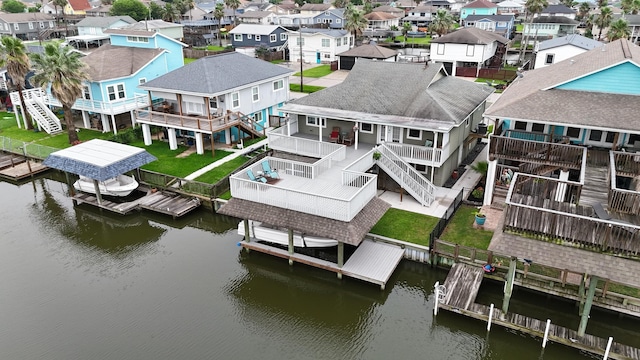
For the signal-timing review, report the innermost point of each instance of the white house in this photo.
(555, 50)
(467, 47)
(318, 45)
(382, 20)
(172, 30)
(510, 8)
(557, 10)
(91, 29)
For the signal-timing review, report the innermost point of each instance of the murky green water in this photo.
(78, 284)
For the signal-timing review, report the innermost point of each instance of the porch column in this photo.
(24, 118)
(356, 132)
(227, 136)
(105, 123)
(478, 69)
(85, 120)
(490, 182)
(146, 134)
(173, 141)
(199, 144)
(133, 118)
(562, 187)
(113, 122)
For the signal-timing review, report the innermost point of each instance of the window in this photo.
(139, 39)
(213, 102)
(237, 37)
(86, 94)
(298, 41)
(255, 94)
(549, 59)
(338, 41)
(326, 42)
(50, 24)
(249, 36)
(338, 21)
(539, 128)
(609, 137)
(6, 27)
(414, 134)
(142, 81)
(16, 26)
(595, 135)
(318, 20)
(235, 99)
(470, 50)
(194, 108)
(502, 24)
(278, 85)
(257, 116)
(420, 167)
(30, 26)
(573, 132)
(283, 37)
(273, 38)
(521, 125)
(366, 128)
(258, 38)
(41, 23)
(326, 56)
(316, 121)
(440, 49)
(116, 92)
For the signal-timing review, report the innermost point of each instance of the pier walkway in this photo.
(162, 202)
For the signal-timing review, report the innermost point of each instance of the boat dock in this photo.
(16, 167)
(372, 261)
(163, 202)
(461, 288)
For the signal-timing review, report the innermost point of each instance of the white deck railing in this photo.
(102, 107)
(414, 182)
(418, 154)
(350, 194)
(278, 140)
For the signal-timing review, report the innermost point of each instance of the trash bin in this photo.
(482, 129)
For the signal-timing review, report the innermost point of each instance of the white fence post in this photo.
(546, 334)
(490, 318)
(606, 352)
(437, 296)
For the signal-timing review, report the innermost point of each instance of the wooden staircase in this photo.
(499, 197)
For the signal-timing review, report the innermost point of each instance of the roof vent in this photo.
(572, 61)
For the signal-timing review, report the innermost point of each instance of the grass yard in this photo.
(519, 28)
(211, 48)
(221, 171)
(61, 140)
(307, 88)
(407, 226)
(189, 60)
(460, 230)
(277, 61)
(316, 72)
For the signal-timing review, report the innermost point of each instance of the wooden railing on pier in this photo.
(625, 165)
(548, 188)
(556, 154)
(534, 136)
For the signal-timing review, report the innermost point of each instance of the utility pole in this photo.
(301, 59)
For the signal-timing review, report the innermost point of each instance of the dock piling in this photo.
(290, 246)
(508, 285)
(606, 351)
(546, 334)
(436, 293)
(584, 317)
(490, 319)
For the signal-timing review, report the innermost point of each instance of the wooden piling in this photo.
(584, 319)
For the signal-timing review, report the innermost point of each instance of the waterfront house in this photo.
(314, 9)
(77, 7)
(500, 24)
(27, 26)
(478, 7)
(420, 16)
(510, 8)
(382, 20)
(467, 50)
(555, 50)
(172, 30)
(318, 45)
(331, 18)
(218, 97)
(256, 17)
(246, 38)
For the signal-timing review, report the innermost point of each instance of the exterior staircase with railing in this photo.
(39, 112)
(405, 175)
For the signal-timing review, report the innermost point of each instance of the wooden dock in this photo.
(461, 288)
(16, 167)
(162, 202)
(372, 261)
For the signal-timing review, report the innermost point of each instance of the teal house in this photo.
(478, 7)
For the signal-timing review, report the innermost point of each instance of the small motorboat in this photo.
(121, 185)
(263, 232)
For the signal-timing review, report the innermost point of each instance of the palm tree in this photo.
(13, 55)
(618, 29)
(233, 5)
(340, 4)
(604, 19)
(60, 67)
(406, 27)
(532, 7)
(218, 14)
(354, 21)
(62, 4)
(630, 6)
(583, 10)
(442, 23)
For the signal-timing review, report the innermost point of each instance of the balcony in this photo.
(539, 152)
(102, 107)
(198, 123)
(420, 154)
(278, 140)
(623, 195)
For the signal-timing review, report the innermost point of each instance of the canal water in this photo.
(79, 284)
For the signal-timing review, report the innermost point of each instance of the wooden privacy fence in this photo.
(486, 73)
(200, 53)
(564, 155)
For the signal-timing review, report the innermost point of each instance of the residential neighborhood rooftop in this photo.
(109, 61)
(104, 21)
(254, 29)
(554, 20)
(470, 35)
(479, 4)
(370, 51)
(573, 39)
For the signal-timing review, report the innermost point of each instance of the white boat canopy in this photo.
(99, 159)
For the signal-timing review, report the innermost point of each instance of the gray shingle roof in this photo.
(557, 9)
(25, 17)
(554, 20)
(329, 32)
(489, 17)
(352, 232)
(129, 60)
(370, 51)
(217, 73)
(254, 14)
(472, 36)
(104, 22)
(315, 7)
(404, 94)
(526, 98)
(573, 39)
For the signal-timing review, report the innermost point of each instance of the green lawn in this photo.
(221, 171)
(424, 41)
(61, 140)
(519, 27)
(407, 226)
(316, 72)
(189, 60)
(211, 48)
(277, 61)
(307, 88)
(460, 230)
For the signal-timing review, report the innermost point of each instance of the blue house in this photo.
(478, 7)
(332, 18)
(116, 70)
(501, 24)
(252, 36)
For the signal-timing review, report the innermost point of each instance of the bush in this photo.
(127, 136)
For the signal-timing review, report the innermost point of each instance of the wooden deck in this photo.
(372, 262)
(22, 170)
(162, 202)
(462, 285)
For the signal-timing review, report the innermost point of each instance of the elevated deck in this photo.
(373, 262)
(162, 202)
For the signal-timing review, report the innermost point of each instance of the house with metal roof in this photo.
(500, 24)
(509, 7)
(219, 98)
(555, 50)
(246, 38)
(371, 51)
(318, 45)
(467, 50)
(478, 7)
